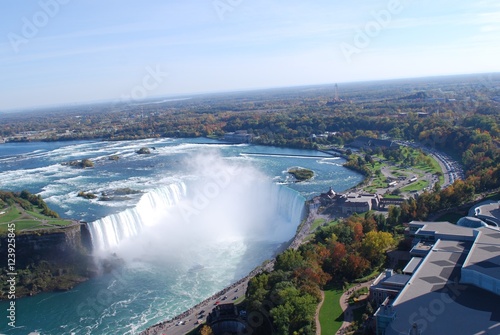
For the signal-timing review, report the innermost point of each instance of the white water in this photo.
(219, 204)
(108, 232)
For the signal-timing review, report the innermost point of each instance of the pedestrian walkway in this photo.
(347, 309)
(318, 324)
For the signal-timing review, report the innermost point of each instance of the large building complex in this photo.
(454, 286)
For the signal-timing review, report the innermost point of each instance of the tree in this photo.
(281, 318)
(375, 244)
(354, 266)
(394, 216)
(289, 260)
(206, 330)
(381, 222)
(344, 233)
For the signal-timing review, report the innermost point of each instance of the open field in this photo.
(10, 214)
(317, 223)
(416, 186)
(331, 316)
(28, 220)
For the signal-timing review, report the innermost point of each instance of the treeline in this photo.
(338, 254)
(27, 201)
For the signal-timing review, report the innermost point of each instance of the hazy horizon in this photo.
(60, 52)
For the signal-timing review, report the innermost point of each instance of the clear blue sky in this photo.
(63, 51)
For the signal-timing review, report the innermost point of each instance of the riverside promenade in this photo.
(193, 317)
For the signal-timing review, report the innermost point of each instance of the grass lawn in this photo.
(376, 183)
(36, 213)
(417, 186)
(28, 220)
(376, 166)
(317, 223)
(392, 196)
(21, 224)
(10, 214)
(331, 315)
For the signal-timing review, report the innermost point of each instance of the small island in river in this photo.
(301, 174)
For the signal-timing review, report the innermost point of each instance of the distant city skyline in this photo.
(55, 52)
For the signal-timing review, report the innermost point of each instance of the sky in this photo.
(55, 52)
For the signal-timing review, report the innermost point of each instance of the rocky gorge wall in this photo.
(48, 260)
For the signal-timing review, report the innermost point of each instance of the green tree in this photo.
(394, 216)
(289, 260)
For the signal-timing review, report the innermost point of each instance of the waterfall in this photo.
(107, 232)
(289, 204)
(267, 210)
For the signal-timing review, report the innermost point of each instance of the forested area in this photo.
(339, 253)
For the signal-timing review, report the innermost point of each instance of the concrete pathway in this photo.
(318, 324)
(348, 310)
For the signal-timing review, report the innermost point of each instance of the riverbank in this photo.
(190, 319)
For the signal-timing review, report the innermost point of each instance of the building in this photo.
(487, 211)
(225, 319)
(358, 203)
(387, 284)
(350, 203)
(454, 287)
(412, 265)
(371, 143)
(239, 136)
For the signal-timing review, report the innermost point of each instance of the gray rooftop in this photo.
(484, 256)
(396, 280)
(412, 265)
(434, 299)
(487, 210)
(471, 222)
(447, 229)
